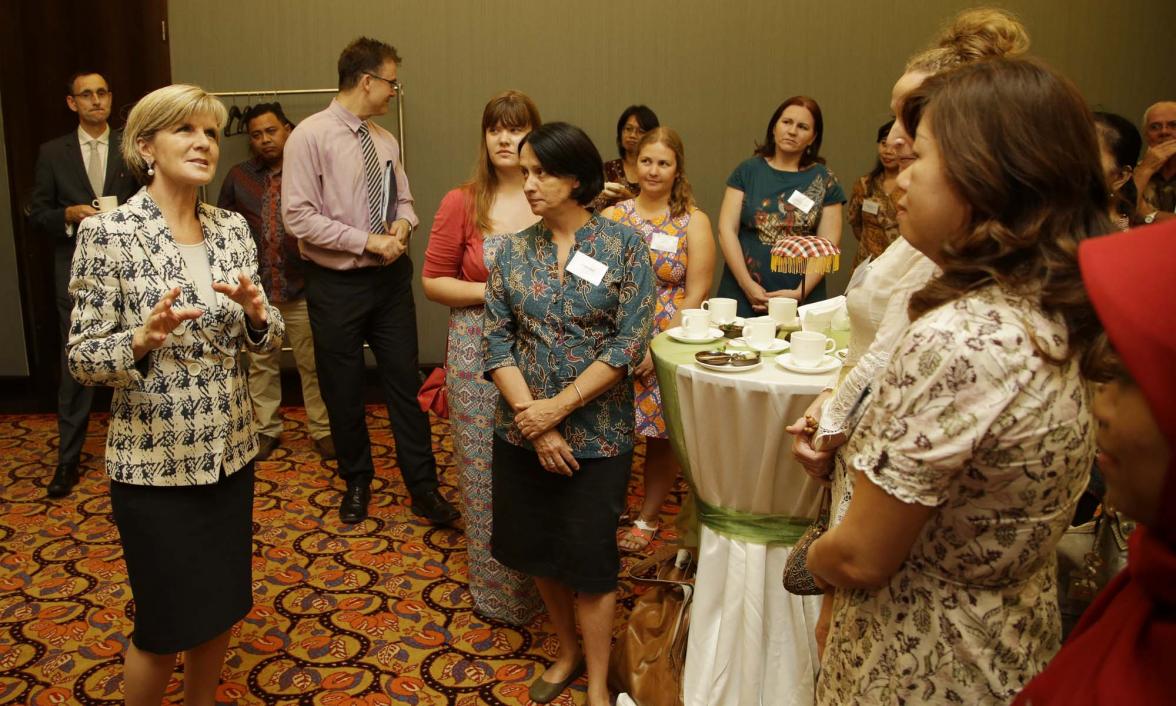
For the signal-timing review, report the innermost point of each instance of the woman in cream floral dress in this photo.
(966, 467)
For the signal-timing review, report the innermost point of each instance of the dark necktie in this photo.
(374, 179)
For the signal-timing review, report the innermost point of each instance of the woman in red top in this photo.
(462, 244)
(1123, 651)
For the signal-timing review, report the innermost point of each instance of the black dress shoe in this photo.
(266, 446)
(64, 479)
(434, 508)
(354, 506)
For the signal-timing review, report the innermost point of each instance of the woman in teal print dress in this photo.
(682, 252)
(465, 236)
(784, 189)
(569, 305)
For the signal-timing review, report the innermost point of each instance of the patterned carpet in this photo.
(376, 613)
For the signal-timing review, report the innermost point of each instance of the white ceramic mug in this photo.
(105, 203)
(782, 309)
(760, 334)
(695, 323)
(809, 347)
(722, 310)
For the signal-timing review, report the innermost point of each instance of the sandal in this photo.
(638, 536)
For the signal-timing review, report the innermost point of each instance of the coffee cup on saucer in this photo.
(722, 310)
(809, 347)
(695, 323)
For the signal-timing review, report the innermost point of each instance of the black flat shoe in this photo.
(434, 508)
(543, 692)
(354, 506)
(266, 445)
(64, 479)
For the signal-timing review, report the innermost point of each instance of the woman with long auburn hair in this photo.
(682, 252)
(465, 236)
(967, 466)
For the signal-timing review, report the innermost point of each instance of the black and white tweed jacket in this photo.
(182, 412)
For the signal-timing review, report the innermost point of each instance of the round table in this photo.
(751, 642)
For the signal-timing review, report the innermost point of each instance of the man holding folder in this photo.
(345, 196)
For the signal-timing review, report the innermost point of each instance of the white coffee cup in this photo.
(695, 323)
(782, 309)
(760, 334)
(722, 310)
(809, 347)
(105, 203)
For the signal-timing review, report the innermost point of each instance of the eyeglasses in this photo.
(101, 94)
(631, 130)
(394, 83)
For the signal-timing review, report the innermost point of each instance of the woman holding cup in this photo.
(784, 189)
(682, 253)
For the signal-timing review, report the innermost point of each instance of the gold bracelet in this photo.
(581, 394)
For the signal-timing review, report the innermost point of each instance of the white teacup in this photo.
(722, 310)
(760, 334)
(782, 309)
(695, 323)
(809, 347)
(105, 203)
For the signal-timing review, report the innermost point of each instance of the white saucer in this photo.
(824, 365)
(680, 336)
(778, 345)
(729, 368)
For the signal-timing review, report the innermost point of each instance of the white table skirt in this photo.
(751, 642)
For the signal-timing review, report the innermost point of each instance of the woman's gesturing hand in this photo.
(554, 453)
(160, 322)
(248, 295)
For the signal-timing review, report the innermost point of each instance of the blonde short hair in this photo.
(160, 109)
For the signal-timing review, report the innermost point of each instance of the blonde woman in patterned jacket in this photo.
(166, 295)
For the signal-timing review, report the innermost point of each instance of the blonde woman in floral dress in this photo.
(682, 252)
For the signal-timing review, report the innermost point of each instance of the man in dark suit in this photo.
(73, 172)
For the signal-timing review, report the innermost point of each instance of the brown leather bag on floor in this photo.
(650, 653)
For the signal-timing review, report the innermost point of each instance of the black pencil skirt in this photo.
(188, 551)
(556, 527)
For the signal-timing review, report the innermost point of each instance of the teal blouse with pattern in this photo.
(553, 331)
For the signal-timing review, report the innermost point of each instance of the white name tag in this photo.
(587, 268)
(662, 242)
(870, 206)
(804, 203)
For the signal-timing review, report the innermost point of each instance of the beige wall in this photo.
(713, 70)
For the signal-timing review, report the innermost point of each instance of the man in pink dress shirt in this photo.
(345, 196)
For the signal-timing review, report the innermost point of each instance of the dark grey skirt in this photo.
(188, 551)
(556, 527)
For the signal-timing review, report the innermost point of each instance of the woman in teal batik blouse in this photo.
(569, 305)
(784, 190)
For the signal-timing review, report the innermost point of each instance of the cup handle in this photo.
(705, 305)
(94, 204)
(830, 345)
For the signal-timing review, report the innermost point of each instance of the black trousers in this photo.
(372, 304)
(73, 398)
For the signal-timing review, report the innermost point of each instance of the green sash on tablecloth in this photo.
(668, 354)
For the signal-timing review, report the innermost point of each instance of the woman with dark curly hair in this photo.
(969, 461)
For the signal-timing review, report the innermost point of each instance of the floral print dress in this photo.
(969, 418)
(669, 267)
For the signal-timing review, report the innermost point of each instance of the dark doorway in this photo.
(41, 44)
